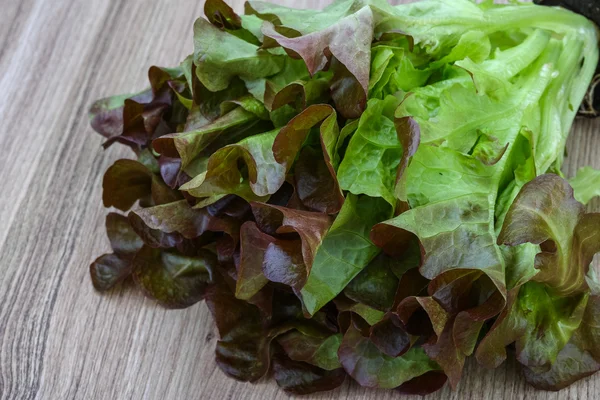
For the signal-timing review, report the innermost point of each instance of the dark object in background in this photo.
(590, 107)
(588, 8)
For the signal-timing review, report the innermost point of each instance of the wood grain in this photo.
(58, 338)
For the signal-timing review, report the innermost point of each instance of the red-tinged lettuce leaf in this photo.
(264, 258)
(301, 378)
(171, 173)
(294, 201)
(397, 243)
(221, 15)
(299, 93)
(318, 187)
(370, 163)
(246, 331)
(451, 317)
(188, 145)
(147, 114)
(250, 277)
(284, 196)
(467, 299)
(463, 238)
(224, 18)
(425, 384)
(346, 91)
(423, 316)
(469, 323)
(409, 135)
(538, 322)
(123, 239)
(571, 365)
(154, 238)
(313, 347)
(106, 115)
(349, 310)
(349, 41)
(450, 215)
(283, 263)
(258, 176)
(390, 336)
(345, 251)
(551, 321)
(109, 269)
(142, 122)
(287, 311)
(168, 81)
(364, 362)
(310, 226)
(292, 137)
(376, 285)
(243, 352)
(412, 283)
(461, 301)
(234, 57)
(264, 301)
(546, 213)
(579, 358)
(179, 217)
(491, 352)
(587, 337)
(444, 351)
(303, 21)
(128, 181)
(231, 206)
(173, 280)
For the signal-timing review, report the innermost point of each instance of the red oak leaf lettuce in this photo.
(365, 191)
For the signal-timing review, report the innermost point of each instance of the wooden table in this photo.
(59, 339)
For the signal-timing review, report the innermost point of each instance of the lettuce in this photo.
(366, 190)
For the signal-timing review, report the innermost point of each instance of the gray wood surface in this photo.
(58, 338)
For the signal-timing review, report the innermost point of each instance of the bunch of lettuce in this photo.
(366, 190)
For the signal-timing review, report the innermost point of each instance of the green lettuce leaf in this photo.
(373, 154)
(233, 57)
(345, 250)
(586, 184)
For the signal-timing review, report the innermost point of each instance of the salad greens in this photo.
(366, 190)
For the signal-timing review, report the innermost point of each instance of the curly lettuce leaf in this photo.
(363, 361)
(373, 154)
(175, 281)
(546, 213)
(345, 250)
(543, 315)
(224, 176)
(586, 184)
(220, 57)
(110, 269)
